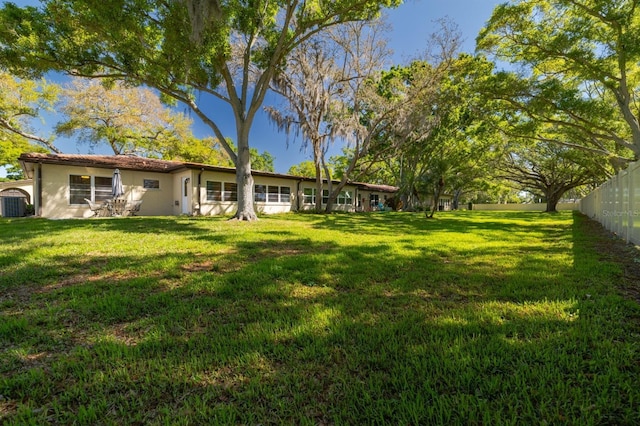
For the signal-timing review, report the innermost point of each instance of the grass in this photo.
(471, 318)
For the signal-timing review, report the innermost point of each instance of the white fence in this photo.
(616, 204)
(532, 207)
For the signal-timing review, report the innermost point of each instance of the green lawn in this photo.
(389, 318)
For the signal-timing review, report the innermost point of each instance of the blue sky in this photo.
(412, 23)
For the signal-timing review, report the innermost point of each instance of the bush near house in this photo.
(470, 318)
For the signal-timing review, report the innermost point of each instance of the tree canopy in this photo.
(579, 70)
(129, 120)
(21, 103)
(549, 169)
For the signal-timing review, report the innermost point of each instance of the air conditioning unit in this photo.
(12, 206)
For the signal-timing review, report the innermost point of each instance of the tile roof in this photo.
(132, 162)
(126, 162)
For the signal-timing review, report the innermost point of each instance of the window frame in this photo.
(231, 194)
(275, 194)
(214, 194)
(95, 191)
(308, 198)
(150, 188)
(285, 196)
(345, 198)
(260, 196)
(220, 191)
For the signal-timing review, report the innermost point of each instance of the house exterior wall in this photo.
(210, 207)
(280, 206)
(25, 186)
(60, 185)
(56, 191)
(155, 201)
(342, 207)
(371, 200)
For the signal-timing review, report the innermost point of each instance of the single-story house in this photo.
(63, 182)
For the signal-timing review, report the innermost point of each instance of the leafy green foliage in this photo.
(305, 168)
(582, 74)
(128, 120)
(551, 169)
(446, 143)
(262, 161)
(21, 102)
(204, 151)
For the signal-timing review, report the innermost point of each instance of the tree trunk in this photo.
(318, 199)
(244, 179)
(553, 197)
(317, 164)
(436, 197)
(331, 198)
(456, 199)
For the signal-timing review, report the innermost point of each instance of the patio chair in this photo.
(118, 207)
(98, 209)
(133, 208)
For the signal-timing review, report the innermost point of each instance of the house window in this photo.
(79, 189)
(151, 184)
(308, 195)
(214, 191)
(94, 188)
(102, 188)
(345, 198)
(260, 193)
(374, 199)
(285, 194)
(222, 191)
(273, 194)
(278, 194)
(230, 192)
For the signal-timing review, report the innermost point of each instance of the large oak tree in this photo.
(550, 169)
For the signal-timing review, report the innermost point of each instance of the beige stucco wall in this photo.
(155, 202)
(357, 194)
(174, 196)
(366, 204)
(336, 207)
(55, 191)
(208, 208)
(25, 186)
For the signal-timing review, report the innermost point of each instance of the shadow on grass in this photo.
(393, 223)
(318, 332)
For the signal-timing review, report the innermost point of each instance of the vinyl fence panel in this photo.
(616, 204)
